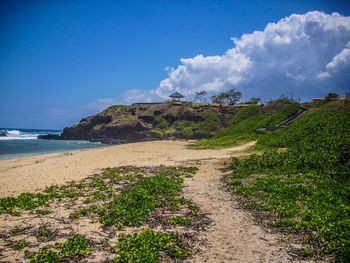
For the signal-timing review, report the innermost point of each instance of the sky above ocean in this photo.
(63, 60)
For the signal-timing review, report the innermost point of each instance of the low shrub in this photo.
(76, 246)
(133, 205)
(147, 245)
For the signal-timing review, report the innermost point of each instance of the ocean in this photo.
(24, 142)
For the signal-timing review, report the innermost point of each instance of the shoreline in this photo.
(46, 149)
(29, 174)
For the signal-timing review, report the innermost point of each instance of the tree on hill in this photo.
(331, 96)
(281, 100)
(199, 95)
(229, 97)
(253, 100)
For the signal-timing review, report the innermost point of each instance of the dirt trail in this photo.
(232, 235)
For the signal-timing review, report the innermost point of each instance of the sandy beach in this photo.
(28, 174)
(231, 236)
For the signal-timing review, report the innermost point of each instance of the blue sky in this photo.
(63, 60)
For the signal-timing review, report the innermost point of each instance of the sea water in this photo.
(24, 142)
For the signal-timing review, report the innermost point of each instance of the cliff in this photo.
(138, 122)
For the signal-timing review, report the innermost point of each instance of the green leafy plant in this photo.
(45, 256)
(76, 246)
(136, 202)
(306, 252)
(45, 233)
(83, 212)
(147, 245)
(181, 220)
(19, 245)
(132, 206)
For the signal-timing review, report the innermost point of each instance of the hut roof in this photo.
(176, 95)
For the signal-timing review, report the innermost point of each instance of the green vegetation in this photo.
(160, 122)
(147, 245)
(178, 202)
(203, 128)
(94, 188)
(229, 97)
(306, 184)
(45, 233)
(158, 133)
(19, 245)
(29, 201)
(133, 205)
(185, 128)
(242, 126)
(306, 252)
(45, 256)
(181, 220)
(76, 246)
(138, 200)
(123, 196)
(331, 96)
(83, 212)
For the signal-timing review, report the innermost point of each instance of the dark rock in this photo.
(147, 118)
(49, 137)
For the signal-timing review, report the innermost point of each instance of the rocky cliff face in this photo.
(119, 124)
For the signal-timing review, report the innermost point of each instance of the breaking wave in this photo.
(25, 134)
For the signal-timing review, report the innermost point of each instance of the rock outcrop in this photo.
(139, 122)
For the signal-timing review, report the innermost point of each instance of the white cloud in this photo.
(342, 59)
(307, 55)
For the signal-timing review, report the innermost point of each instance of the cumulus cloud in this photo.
(307, 55)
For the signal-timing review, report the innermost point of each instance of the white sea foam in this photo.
(17, 135)
(13, 132)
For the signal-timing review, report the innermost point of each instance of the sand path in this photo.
(232, 235)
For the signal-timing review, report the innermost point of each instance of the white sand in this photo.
(32, 173)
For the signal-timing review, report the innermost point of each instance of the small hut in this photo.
(176, 96)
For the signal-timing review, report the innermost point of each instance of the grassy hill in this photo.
(241, 127)
(300, 181)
